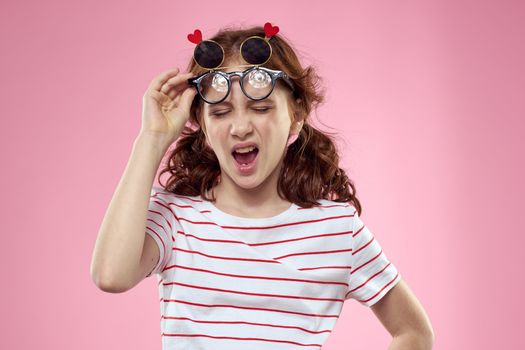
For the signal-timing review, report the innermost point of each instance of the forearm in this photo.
(411, 341)
(120, 239)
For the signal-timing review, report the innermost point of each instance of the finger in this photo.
(160, 79)
(172, 93)
(186, 98)
(177, 99)
(159, 97)
(175, 81)
(178, 89)
(174, 90)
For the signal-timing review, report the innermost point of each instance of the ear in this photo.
(297, 110)
(298, 119)
(194, 125)
(200, 119)
(296, 127)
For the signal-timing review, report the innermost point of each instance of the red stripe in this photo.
(185, 197)
(162, 215)
(366, 263)
(324, 267)
(261, 227)
(363, 247)
(259, 244)
(256, 277)
(156, 223)
(188, 206)
(253, 260)
(253, 294)
(300, 238)
(163, 204)
(247, 308)
(326, 206)
(171, 194)
(393, 279)
(357, 232)
(224, 257)
(371, 277)
(318, 252)
(236, 338)
(245, 322)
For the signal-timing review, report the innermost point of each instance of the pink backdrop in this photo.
(429, 99)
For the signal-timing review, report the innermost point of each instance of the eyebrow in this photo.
(249, 103)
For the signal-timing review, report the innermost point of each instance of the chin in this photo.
(246, 182)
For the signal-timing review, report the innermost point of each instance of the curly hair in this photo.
(310, 168)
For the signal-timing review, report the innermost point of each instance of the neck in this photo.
(230, 195)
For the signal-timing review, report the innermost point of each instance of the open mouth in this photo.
(246, 158)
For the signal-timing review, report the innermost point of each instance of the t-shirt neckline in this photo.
(239, 219)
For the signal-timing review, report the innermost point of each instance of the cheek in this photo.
(218, 140)
(281, 128)
(276, 138)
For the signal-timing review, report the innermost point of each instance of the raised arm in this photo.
(123, 255)
(116, 264)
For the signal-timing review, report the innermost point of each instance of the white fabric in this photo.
(227, 282)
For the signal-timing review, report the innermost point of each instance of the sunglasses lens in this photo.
(214, 87)
(257, 83)
(208, 54)
(256, 50)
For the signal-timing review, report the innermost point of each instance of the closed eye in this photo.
(219, 114)
(258, 110)
(262, 109)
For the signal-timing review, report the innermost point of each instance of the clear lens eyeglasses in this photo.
(257, 83)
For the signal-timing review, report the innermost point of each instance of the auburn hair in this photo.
(311, 165)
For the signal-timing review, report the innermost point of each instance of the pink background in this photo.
(429, 99)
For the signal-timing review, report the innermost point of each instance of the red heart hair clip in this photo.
(196, 37)
(270, 30)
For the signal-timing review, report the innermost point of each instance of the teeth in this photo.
(245, 149)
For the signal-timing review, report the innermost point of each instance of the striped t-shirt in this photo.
(228, 282)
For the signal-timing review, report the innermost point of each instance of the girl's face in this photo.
(268, 123)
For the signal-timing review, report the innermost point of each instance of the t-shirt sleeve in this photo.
(372, 275)
(159, 224)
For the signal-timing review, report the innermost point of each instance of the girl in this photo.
(256, 238)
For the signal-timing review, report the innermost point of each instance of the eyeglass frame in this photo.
(274, 75)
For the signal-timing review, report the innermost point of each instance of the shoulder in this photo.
(325, 204)
(158, 190)
(160, 193)
(330, 208)
(177, 202)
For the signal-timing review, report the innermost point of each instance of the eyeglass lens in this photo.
(256, 83)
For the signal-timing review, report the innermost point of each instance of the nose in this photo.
(235, 86)
(241, 124)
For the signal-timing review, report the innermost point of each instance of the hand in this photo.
(166, 105)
